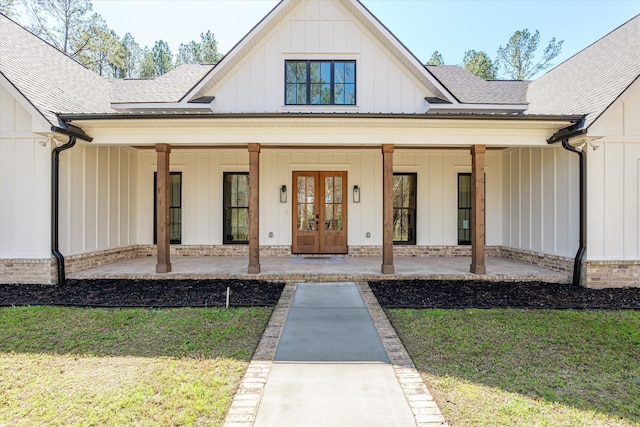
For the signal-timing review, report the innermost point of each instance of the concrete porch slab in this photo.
(356, 269)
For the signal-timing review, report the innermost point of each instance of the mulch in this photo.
(255, 293)
(145, 293)
(531, 295)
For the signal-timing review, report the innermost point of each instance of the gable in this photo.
(16, 113)
(620, 120)
(388, 78)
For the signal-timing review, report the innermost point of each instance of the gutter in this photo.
(73, 133)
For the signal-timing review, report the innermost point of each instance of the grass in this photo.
(114, 367)
(527, 367)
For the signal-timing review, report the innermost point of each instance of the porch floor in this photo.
(324, 269)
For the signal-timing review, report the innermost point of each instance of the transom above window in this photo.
(320, 82)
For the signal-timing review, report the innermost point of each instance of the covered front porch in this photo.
(323, 269)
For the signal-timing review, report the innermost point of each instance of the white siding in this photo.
(320, 30)
(541, 200)
(24, 184)
(97, 198)
(202, 172)
(613, 198)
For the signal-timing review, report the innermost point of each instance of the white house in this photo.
(320, 133)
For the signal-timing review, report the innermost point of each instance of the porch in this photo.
(323, 269)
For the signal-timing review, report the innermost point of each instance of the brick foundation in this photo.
(550, 262)
(28, 271)
(595, 274)
(611, 274)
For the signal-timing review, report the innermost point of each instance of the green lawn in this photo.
(115, 367)
(527, 367)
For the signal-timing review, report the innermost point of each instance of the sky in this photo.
(452, 27)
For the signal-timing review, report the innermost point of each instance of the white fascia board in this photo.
(230, 60)
(489, 108)
(386, 35)
(163, 107)
(39, 123)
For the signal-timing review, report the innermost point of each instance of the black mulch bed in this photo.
(145, 293)
(463, 294)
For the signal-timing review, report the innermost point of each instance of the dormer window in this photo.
(320, 82)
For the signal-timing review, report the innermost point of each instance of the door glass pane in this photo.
(337, 217)
(306, 202)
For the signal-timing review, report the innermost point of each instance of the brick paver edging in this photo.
(244, 407)
(424, 408)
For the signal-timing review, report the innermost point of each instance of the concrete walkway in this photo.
(322, 362)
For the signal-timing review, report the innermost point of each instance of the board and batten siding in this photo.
(541, 200)
(98, 192)
(24, 184)
(202, 180)
(320, 30)
(614, 181)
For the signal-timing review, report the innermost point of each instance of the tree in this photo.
(103, 52)
(436, 59)
(480, 64)
(62, 22)
(7, 7)
(132, 57)
(162, 58)
(147, 66)
(205, 52)
(518, 60)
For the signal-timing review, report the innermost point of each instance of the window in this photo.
(404, 208)
(320, 82)
(464, 208)
(236, 207)
(175, 208)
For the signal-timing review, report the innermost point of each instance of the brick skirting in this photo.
(611, 274)
(28, 271)
(595, 274)
(550, 262)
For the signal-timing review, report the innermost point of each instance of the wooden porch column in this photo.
(387, 209)
(477, 209)
(162, 209)
(254, 209)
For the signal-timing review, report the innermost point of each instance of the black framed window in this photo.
(404, 208)
(175, 208)
(236, 207)
(320, 82)
(464, 208)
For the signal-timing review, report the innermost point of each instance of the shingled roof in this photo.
(49, 79)
(588, 82)
(471, 89)
(170, 87)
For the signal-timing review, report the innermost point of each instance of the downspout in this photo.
(577, 264)
(55, 191)
(73, 133)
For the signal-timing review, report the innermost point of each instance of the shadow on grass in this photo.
(175, 333)
(582, 359)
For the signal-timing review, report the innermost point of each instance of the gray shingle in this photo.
(589, 81)
(51, 80)
(471, 89)
(169, 87)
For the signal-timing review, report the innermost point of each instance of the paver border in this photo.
(424, 407)
(244, 407)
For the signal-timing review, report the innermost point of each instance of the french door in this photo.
(320, 213)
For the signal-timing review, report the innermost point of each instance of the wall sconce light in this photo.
(283, 194)
(356, 194)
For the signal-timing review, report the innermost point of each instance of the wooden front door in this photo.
(320, 213)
